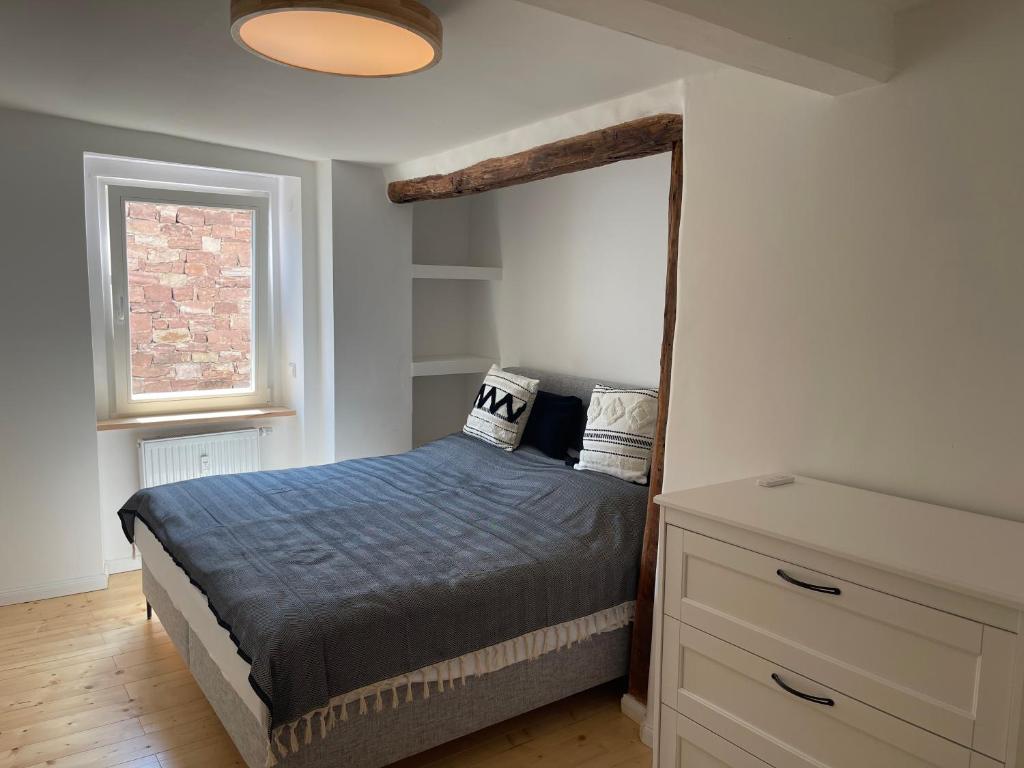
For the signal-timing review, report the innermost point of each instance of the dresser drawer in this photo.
(939, 671)
(743, 698)
(683, 743)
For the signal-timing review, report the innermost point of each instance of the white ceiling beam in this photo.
(832, 46)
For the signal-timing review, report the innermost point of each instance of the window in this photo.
(189, 296)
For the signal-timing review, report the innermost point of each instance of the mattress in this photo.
(193, 606)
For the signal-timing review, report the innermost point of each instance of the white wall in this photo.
(440, 405)
(440, 232)
(325, 278)
(372, 315)
(852, 276)
(583, 259)
(54, 500)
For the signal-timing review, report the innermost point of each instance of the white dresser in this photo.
(815, 625)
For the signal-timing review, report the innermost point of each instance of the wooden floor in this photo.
(87, 681)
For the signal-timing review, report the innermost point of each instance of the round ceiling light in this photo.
(359, 38)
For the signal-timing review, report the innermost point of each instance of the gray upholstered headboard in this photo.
(566, 384)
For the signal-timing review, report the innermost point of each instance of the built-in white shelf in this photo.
(444, 272)
(447, 365)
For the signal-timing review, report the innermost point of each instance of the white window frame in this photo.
(161, 182)
(258, 393)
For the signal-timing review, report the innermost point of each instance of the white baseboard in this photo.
(54, 589)
(123, 564)
(647, 734)
(633, 709)
(637, 712)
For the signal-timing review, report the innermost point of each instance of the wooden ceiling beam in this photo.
(627, 141)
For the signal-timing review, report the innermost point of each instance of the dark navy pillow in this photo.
(554, 424)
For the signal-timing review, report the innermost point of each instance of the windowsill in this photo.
(185, 419)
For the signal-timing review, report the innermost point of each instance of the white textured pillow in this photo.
(501, 408)
(620, 432)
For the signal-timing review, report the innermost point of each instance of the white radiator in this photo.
(171, 459)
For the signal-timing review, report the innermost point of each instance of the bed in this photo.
(360, 612)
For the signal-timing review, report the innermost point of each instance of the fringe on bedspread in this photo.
(289, 738)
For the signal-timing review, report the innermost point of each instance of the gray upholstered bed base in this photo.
(380, 738)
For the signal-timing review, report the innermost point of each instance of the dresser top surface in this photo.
(964, 551)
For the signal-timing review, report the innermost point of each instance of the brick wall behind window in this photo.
(189, 297)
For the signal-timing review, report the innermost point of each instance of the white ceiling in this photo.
(171, 67)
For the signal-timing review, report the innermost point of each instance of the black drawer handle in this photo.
(805, 696)
(813, 587)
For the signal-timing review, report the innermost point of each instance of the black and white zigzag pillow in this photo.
(620, 432)
(501, 408)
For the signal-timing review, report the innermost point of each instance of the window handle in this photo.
(120, 308)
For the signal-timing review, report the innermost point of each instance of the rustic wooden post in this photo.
(640, 656)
